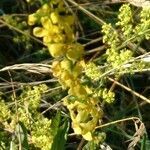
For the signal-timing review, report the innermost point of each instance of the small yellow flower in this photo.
(56, 68)
(75, 51)
(44, 10)
(57, 50)
(78, 90)
(66, 79)
(66, 64)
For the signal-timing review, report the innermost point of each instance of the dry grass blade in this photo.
(34, 68)
(140, 130)
(139, 3)
(17, 84)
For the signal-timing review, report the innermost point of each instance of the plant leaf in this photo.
(61, 137)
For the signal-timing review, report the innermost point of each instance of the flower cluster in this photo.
(116, 56)
(56, 29)
(125, 20)
(5, 112)
(105, 94)
(39, 127)
(58, 35)
(41, 133)
(84, 116)
(142, 30)
(92, 71)
(117, 53)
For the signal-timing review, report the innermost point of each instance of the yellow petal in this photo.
(76, 128)
(81, 116)
(39, 32)
(46, 23)
(88, 136)
(54, 17)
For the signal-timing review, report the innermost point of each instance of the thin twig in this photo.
(130, 90)
(117, 121)
(81, 144)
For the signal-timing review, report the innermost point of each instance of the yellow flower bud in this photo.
(39, 32)
(54, 17)
(32, 19)
(45, 9)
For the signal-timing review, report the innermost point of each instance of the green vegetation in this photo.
(74, 75)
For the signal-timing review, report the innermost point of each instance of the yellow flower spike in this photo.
(75, 52)
(32, 19)
(55, 18)
(39, 32)
(57, 50)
